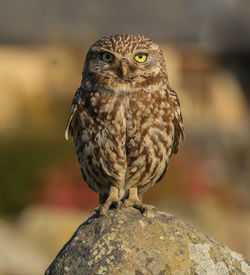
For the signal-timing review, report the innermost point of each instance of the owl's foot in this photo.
(111, 202)
(134, 201)
(136, 204)
(103, 210)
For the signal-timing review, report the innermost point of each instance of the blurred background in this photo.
(43, 44)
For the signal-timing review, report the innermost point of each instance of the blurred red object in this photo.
(198, 181)
(64, 187)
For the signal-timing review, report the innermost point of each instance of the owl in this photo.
(125, 120)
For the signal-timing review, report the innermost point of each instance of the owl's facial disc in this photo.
(125, 72)
(123, 68)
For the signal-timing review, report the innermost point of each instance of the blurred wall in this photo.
(217, 24)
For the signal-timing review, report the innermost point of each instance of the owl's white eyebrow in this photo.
(101, 50)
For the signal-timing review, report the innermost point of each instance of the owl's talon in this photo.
(134, 203)
(116, 204)
(103, 209)
(95, 210)
(143, 208)
(111, 202)
(148, 208)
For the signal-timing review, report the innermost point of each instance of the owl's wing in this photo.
(178, 134)
(73, 112)
(177, 121)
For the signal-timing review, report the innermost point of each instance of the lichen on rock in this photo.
(127, 242)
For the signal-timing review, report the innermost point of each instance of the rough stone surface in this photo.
(128, 243)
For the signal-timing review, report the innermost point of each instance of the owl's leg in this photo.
(112, 200)
(134, 201)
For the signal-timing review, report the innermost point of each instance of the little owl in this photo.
(125, 120)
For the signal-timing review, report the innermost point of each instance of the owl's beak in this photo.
(124, 68)
(124, 71)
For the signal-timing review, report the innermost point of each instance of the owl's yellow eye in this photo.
(107, 57)
(140, 57)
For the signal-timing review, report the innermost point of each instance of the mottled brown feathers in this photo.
(125, 127)
(123, 43)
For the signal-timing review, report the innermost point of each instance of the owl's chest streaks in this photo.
(147, 114)
(125, 118)
(127, 137)
(100, 145)
(150, 134)
(106, 113)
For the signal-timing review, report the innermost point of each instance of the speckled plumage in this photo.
(125, 120)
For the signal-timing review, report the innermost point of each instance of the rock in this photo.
(126, 242)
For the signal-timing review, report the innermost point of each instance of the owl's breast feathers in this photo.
(162, 106)
(125, 139)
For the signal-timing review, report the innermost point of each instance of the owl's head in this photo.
(124, 63)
